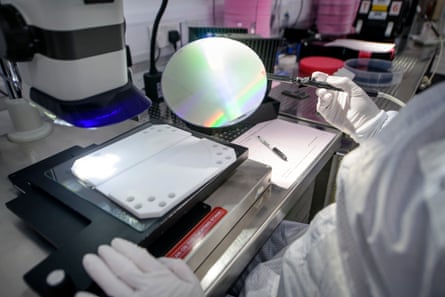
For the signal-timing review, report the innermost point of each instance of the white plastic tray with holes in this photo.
(151, 171)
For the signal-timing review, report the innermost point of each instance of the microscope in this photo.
(71, 59)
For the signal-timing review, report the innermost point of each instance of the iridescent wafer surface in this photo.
(214, 82)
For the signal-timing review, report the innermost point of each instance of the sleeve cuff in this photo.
(373, 126)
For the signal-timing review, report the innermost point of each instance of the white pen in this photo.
(273, 148)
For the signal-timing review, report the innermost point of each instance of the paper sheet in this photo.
(301, 144)
(362, 45)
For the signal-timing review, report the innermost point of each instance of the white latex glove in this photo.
(351, 111)
(124, 269)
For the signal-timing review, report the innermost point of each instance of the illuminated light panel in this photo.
(96, 167)
(100, 166)
(137, 171)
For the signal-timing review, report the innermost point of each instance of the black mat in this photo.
(75, 226)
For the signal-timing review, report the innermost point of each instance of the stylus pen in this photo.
(274, 149)
(304, 81)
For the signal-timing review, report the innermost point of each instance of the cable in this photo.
(154, 32)
(256, 18)
(152, 78)
(300, 10)
(429, 80)
(391, 98)
(378, 94)
(213, 13)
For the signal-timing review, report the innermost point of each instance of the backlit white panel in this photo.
(162, 177)
(103, 164)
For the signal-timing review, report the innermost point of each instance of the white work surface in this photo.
(21, 248)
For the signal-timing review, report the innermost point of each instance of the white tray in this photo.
(151, 171)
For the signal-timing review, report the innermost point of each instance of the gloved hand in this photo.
(127, 270)
(351, 111)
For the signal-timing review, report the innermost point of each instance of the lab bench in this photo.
(254, 208)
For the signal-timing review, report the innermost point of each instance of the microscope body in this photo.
(71, 57)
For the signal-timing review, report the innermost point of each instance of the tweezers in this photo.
(304, 81)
